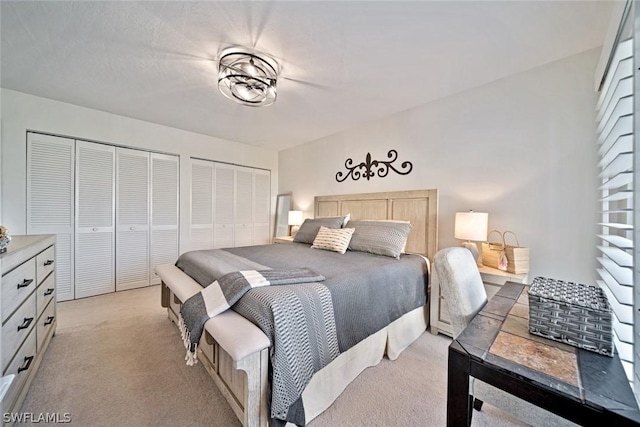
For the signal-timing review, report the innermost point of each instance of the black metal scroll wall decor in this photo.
(369, 168)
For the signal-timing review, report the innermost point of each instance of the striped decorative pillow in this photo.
(333, 239)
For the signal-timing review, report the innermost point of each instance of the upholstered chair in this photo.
(462, 288)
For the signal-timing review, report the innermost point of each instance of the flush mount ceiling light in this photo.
(247, 78)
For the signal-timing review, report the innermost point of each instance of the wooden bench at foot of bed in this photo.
(236, 359)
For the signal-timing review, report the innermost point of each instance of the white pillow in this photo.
(333, 239)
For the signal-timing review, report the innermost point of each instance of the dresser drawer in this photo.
(17, 328)
(45, 263)
(45, 292)
(46, 323)
(16, 287)
(21, 367)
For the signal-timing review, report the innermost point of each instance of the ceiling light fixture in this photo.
(247, 78)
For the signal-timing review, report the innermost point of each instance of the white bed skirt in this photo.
(328, 383)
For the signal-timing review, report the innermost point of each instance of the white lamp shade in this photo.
(471, 226)
(295, 218)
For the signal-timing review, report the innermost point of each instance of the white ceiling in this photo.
(343, 63)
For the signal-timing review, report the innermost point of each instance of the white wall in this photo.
(22, 112)
(522, 149)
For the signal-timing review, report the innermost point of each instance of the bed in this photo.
(235, 352)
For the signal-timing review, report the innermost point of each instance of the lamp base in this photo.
(473, 248)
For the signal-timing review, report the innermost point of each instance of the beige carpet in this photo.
(116, 360)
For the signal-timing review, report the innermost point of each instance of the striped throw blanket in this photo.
(225, 292)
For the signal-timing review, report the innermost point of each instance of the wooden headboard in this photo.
(418, 206)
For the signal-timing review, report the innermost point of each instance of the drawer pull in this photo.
(25, 283)
(49, 320)
(48, 262)
(26, 323)
(49, 292)
(27, 363)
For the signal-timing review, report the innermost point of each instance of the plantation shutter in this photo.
(616, 151)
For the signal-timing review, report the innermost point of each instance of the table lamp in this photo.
(472, 227)
(295, 221)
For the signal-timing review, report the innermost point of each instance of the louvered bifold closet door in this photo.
(50, 201)
(164, 211)
(132, 219)
(244, 207)
(616, 151)
(261, 207)
(95, 231)
(224, 196)
(201, 204)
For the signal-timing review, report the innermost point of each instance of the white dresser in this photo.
(493, 280)
(28, 311)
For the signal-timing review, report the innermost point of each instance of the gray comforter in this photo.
(311, 324)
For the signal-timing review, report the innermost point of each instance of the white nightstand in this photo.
(493, 280)
(283, 239)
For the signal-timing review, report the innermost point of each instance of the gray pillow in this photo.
(379, 237)
(309, 228)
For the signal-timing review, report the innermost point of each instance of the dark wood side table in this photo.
(496, 347)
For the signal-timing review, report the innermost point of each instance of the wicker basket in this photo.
(572, 313)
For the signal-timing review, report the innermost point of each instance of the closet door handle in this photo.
(49, 292)
(49, 262)
(25, 283)
(49, 320)
(27, 363)
(26, 323)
